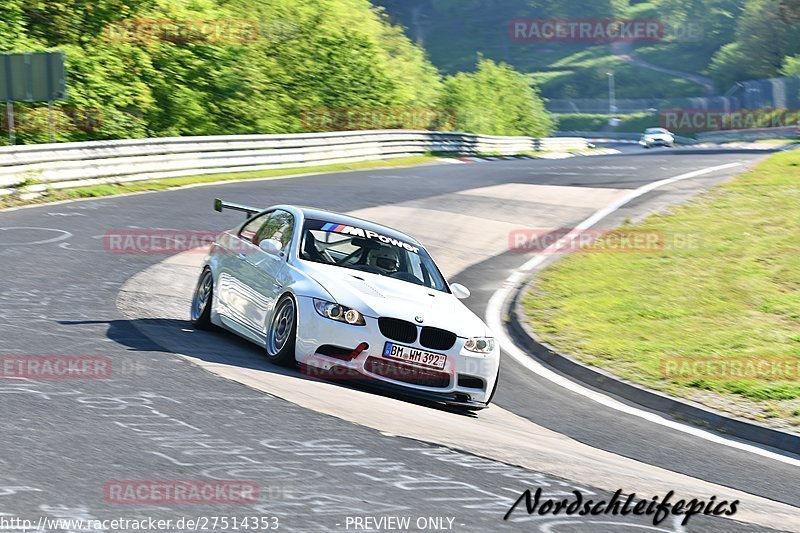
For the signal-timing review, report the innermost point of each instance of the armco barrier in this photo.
(614, 136)
(753, 134)
(65, 165)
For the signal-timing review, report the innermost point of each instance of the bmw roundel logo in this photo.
(418, 318)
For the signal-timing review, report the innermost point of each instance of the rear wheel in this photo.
(282, 333)
(202, 300)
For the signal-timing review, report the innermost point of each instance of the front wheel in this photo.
(202, 300)
(282, 333)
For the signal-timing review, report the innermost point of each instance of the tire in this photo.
(202, 301)
(282, 333)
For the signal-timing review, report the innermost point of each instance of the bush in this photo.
(632, 123)
(496, 100)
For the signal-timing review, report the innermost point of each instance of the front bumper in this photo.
(466, 380)
(655, 142)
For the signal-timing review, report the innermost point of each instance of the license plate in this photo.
(414, 355)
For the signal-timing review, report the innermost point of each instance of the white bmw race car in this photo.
(345, 297)
(657, 137)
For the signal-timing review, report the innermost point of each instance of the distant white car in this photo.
(348, 297)
(657, 137)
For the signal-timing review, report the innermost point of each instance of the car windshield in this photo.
(655, 130)
(355, 248)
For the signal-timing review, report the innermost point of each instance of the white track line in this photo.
(494, 311)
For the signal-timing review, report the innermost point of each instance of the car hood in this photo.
(379, 296)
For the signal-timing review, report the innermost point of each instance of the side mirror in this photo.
(460, 291)
(271, 246)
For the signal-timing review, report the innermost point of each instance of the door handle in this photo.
(242, 256)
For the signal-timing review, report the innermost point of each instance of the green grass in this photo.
(455, 34)
(686, 57)
(777, 142)
(583, 75)
(94, 191)
(567, 70)
(725, 286)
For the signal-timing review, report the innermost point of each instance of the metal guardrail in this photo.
(65, 165)
(617, 136)
(753, 134)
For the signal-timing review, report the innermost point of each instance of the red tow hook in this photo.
(360, 348)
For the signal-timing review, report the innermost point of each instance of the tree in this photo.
(496, 100)
(763, 40)
(302, 55)
(791, 66)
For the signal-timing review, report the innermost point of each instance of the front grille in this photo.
(437, 339)
(407, 373)
(397, 330)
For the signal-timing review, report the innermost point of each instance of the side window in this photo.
(416, 266)
(249, 231)
(279, 225)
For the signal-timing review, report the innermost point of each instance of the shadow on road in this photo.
(223, 347)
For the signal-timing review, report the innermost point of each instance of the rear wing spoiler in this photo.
(219, 205)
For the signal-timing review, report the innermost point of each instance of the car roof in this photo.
(338, 218)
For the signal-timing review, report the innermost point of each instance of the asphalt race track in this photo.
(181, 404)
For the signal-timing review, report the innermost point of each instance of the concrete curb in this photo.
(671, 407)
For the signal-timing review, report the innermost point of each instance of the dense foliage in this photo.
(766, 36)
(514, 109)
(286, 58)
(728, 40)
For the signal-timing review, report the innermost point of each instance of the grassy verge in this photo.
(725, 288)
(583, 75)
(94, 191)
(777, 142)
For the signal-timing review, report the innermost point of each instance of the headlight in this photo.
(480, 344)
(339, 313)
